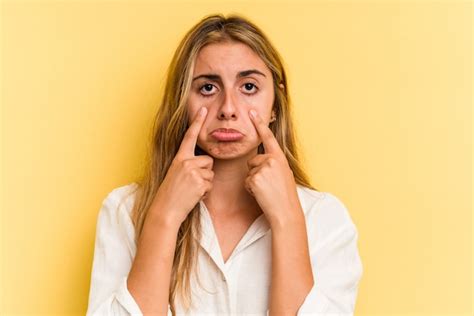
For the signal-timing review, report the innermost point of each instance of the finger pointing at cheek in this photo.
(270, 144)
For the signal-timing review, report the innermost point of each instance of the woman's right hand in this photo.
(188, 179)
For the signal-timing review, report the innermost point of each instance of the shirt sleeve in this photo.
(335, 260)
(112, 261)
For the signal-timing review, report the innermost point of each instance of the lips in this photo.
(227, 134)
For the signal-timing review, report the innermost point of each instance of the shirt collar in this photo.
(259, 228)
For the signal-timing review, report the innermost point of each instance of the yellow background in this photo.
(382, 93)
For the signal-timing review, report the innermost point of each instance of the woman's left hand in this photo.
(270, 179)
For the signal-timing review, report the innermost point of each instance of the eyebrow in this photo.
(241, 74)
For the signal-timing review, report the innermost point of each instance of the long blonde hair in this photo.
(170, 126)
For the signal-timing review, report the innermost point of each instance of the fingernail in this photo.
(202, 111)
(253, 113)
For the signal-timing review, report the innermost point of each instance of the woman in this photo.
(224, 219)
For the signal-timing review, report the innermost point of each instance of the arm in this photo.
(113, 254)
(292, 278)
(114, 251)
(187, 180)
(149, 278)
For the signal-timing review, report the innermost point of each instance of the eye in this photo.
(248, 87)
(207, 87)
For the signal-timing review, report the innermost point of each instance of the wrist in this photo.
(163, 213)
(163, 218)
(282, 223)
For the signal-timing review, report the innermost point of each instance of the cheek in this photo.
(192, 111)
(262, 103)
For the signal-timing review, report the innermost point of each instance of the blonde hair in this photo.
(170, 126)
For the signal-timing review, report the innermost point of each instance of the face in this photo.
(230, 79)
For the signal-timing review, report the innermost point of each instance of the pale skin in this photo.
(233, 180)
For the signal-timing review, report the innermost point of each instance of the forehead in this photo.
(230, 58)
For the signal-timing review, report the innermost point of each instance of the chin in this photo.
(228, 150)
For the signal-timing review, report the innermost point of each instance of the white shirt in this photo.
(241, 286)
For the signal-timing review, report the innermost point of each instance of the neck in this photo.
(228, 196)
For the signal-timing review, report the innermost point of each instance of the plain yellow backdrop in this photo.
(382, 96)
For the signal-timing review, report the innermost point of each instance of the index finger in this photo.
(268, 139)
(186, 149)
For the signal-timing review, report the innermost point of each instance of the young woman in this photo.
(224, 220)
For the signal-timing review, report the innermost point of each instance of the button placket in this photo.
(233, 273)
(226, 289)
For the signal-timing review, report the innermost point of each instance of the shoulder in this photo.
(122, 197)
(308, 197)
(115, 229)
(325, 213)
(115, 212)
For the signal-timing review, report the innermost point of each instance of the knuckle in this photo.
(271, 161)
(251, 180)
(256, 178)
(186, 163)
(247, 183)
(195, 174)
(201, 184)
(210, 160)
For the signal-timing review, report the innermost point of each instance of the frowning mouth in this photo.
(227, 134)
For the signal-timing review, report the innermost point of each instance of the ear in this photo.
(273, 116)
(281, 86)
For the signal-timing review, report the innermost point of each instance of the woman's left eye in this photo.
(248, 86)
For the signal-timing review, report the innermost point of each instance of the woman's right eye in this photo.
(205, 89)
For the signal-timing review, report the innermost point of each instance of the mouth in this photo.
(227, 134)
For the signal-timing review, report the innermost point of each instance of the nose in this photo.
(227, 110)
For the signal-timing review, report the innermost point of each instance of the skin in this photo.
(228, 101)
(292, 276)
(245, 182)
